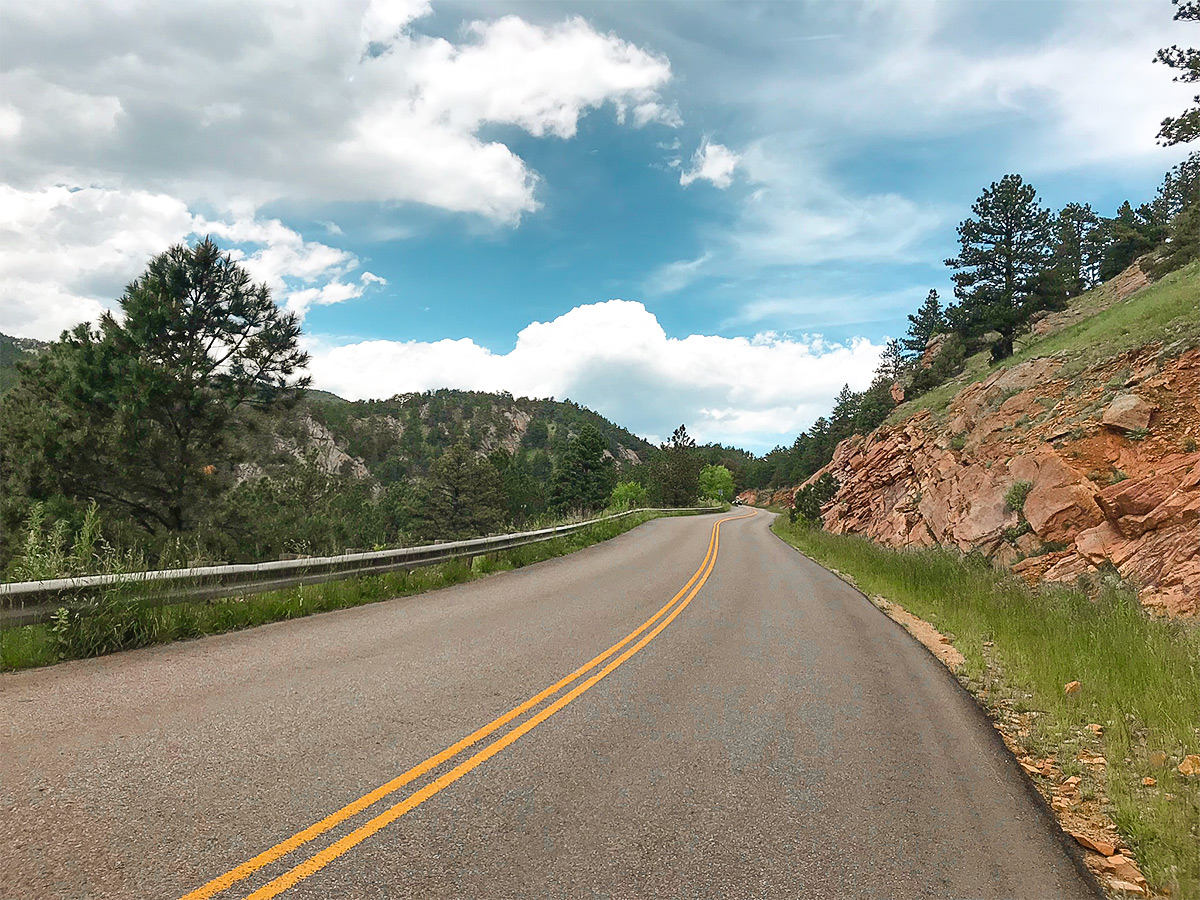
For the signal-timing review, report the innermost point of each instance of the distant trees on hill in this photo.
(1016, 258)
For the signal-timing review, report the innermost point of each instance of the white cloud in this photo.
(67, 254)
(675, 276)
(325, 101)
(615, 358)
(711, 162)
(1082, 91)
(800, 215)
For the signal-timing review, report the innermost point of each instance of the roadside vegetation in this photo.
(1165, 311)
(1139, 679)
(1050, 261)
(121, 620)
(186, 422)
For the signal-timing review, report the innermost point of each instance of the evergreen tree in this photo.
(928, 321)
(1129, 235)
(841, 420)
(1178, 205)
(525, 494)
(463, 498)
(1000, 269)
(1077, 248)
(585, 476)
(893, 365)
(678, 470)
(1186, 126)
(139, 413)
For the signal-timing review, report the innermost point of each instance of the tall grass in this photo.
(1164, 311)
(121, 620)
(1140, 677)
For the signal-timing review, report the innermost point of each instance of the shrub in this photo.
(806, 505)
(627, 495)
(1015, 498)
(948, 363)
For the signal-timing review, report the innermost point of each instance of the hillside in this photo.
(12, 351)
(403, 435)
(1074, 458)
(321, 474)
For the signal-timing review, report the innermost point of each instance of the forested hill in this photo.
(12, 351)
(402, 436)
(312, 473)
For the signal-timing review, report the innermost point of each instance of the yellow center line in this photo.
(315, 830)
(318, 861)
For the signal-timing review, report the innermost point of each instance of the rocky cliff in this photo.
(1052, 468)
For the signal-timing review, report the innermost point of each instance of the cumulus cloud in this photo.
(67, 254)
(616, 358)
(711, 162)
(326, 101)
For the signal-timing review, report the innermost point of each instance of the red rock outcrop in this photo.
(1097, 497)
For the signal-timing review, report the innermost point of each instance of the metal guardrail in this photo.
(32, 602)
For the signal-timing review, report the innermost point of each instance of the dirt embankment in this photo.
(1056, 474)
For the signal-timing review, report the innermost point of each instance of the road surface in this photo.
(766, 733)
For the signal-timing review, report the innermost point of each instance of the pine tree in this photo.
(1186, 126)
(1178, 205)
(464, 497)
(893, 365)
(841, 420)
(1001, 267)
(1130, 234)
(1077, 248)
(929, 320)
(584, 477)
(139, 413)
(678, 469)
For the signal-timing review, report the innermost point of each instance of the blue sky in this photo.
(708, 213)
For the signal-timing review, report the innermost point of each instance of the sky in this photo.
(707, 213)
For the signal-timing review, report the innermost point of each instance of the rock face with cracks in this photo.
(1110, 456)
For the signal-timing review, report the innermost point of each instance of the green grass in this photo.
(1167, 311)
(124, 623)
(1140, 677)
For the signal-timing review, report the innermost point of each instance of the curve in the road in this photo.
(319, 860)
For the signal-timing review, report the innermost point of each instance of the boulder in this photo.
(1129, 412)
(897, 393)
(1061, 503)
(933, 347)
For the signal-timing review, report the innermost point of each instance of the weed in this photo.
(1116, 476)
(1138, 434)
(1015, 531)
(958, 441)
(1189, 446)
(1015, 498)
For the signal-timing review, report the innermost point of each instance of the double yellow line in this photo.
(319, 860)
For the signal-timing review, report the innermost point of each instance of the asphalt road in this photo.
(778, 737)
